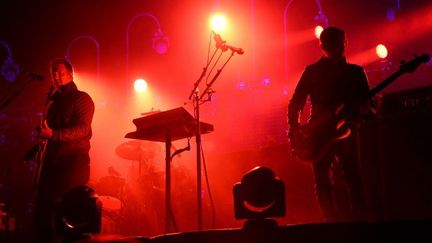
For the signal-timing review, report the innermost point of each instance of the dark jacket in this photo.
(70, 116)
(329, 83)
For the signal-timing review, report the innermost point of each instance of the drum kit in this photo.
(132, 205)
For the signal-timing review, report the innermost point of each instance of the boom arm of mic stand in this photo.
(16, 93)
(215, 77)
(198, 81)
(196, 84)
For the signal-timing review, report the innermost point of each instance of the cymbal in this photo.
(138, 150)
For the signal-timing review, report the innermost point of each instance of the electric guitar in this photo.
(313, 140)
(42, 143)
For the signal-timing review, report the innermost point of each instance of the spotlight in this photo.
(140, 85)
(160, 42)
(381, 51)
(318, 29)
(218, 23)
(259, 195)
(321, 23)
(10, 70)
(78, 213)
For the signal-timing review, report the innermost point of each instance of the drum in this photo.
(110, 203)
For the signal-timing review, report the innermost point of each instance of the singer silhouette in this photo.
(67, 131)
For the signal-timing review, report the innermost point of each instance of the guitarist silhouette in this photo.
(340, 94)
(330, 82)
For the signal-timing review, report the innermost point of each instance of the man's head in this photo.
(333, 42)
(61, 72)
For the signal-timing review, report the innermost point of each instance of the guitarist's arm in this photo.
(297, 103)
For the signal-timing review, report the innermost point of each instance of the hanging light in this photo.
(9, 70)
(160, 42)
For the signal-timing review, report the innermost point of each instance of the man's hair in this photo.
(331, 36)
(67, 64)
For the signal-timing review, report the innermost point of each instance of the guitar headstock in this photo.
(412, 65)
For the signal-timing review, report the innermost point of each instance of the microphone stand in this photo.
(16, 93)
(208, 88)
(197, 101)
(194, 94)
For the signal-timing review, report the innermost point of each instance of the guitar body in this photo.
(314, 139)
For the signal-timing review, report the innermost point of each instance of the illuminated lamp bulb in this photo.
(218, 23)
(140, 85)
(381, 51)
(318, 29)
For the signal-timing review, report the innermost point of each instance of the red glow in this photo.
(407, 27)
(365, 57)
(300, 37)
(249, 121)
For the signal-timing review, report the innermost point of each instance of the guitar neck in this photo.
(408, 67)
(385, 83)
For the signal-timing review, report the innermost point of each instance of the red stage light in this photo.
(318, 29)
(218, 23)
(140, 85)
(381, 51)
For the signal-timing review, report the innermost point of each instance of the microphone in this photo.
(234, 49)
(218, 39)
(38, 77)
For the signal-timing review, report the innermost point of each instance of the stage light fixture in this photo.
(140, 85)
(381, 51)
(321, 21)
(318, 29)
(10, 70)
(259, 195)
(218, 23)
(78, 213)
(160, 42)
